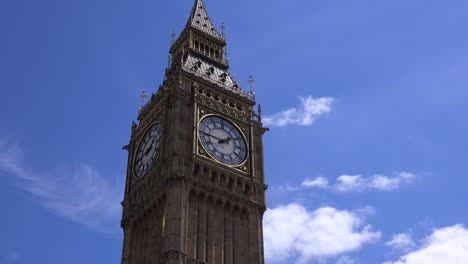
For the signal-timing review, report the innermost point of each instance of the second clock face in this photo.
(149, 147)
(222, 140)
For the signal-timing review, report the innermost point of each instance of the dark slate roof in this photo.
(214, 74)
(200, 20)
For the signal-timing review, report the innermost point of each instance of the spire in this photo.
(200, 20)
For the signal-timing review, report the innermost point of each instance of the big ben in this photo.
(195, 187)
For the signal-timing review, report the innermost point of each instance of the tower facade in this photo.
(195, 188)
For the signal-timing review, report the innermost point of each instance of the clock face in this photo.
(149, 147)
(222, 140)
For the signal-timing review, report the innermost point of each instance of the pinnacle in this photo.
(200, 20)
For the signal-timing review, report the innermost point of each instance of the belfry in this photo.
(195, 187)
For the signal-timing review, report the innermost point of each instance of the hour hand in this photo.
(224, 141)
(150, 148)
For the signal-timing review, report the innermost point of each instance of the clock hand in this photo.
(212, 136)
(146, 152)
(144, 155)
(150, 148)
(138, 160)
(223, 141)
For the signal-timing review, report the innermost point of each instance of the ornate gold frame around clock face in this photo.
(200, 149)
(244, 138)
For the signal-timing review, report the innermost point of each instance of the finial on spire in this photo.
(169, 57)
(142, 96)
(251, 82)
(223, 36)
(259, 113)
(223, 30)
(252, 90)
(173, 34)
(200, 20)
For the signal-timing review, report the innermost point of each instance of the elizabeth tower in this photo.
(195, 187)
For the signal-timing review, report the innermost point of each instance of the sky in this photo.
(366, 157)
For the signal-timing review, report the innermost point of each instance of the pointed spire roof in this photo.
(200, 20)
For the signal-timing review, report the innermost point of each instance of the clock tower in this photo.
(195, 187)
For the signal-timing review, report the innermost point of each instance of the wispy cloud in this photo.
(293, 231)
(13, 256)
(358, 183)
(445, 245)
(309, 110)
(351, 183)
(319, 182)
(80, 194)
(402, 241)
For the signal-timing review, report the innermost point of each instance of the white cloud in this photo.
(293, 231)
(310, 109)
(287, 187)
(447, 245)
(79, 194)
(346, 183)
(290, 188)
(319, 182)
(402, 241)
(356, 183)
(384, 183)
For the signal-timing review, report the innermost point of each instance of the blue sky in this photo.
(366, 101)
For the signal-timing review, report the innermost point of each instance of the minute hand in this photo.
(211, 135)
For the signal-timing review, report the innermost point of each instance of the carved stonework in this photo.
(220, 107)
